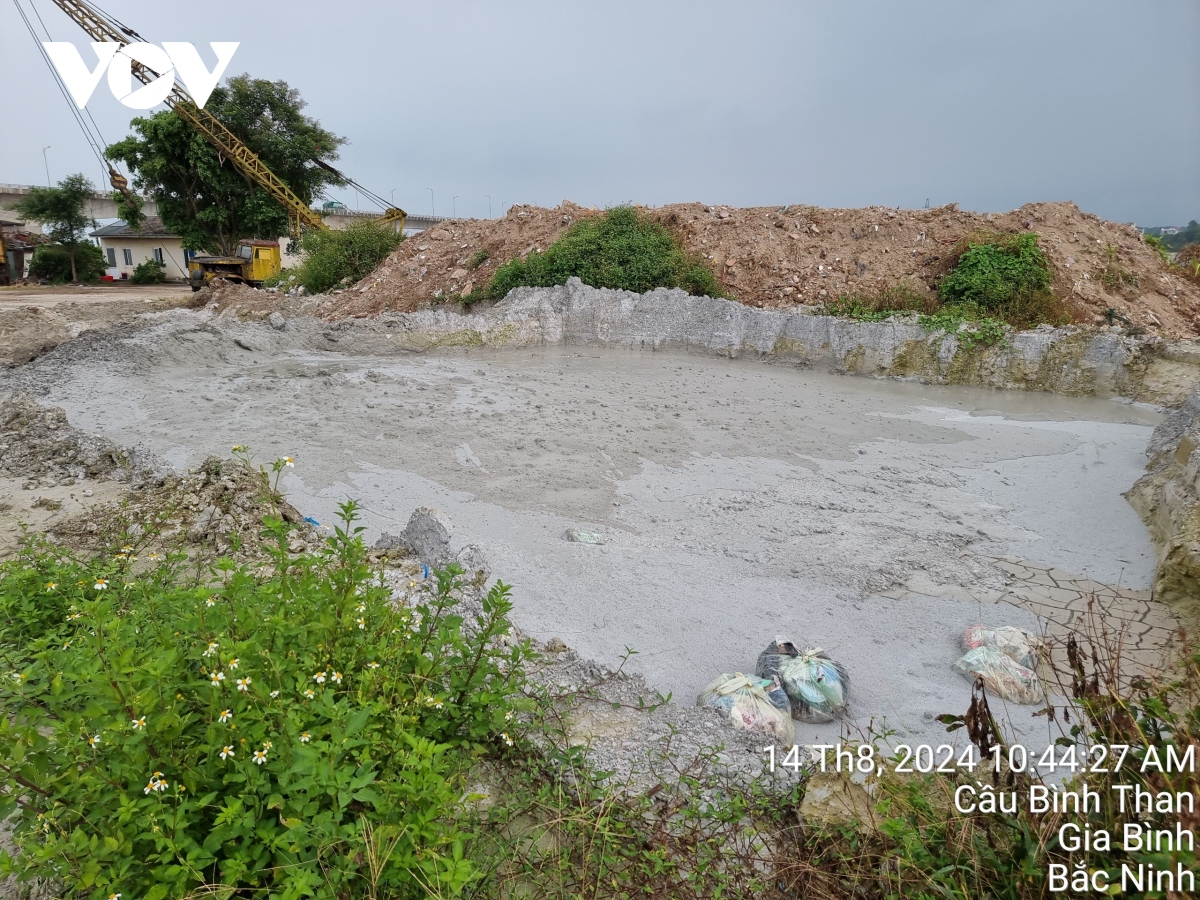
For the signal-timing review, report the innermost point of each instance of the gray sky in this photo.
(853, 103)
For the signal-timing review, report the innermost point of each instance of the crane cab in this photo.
(252, 263)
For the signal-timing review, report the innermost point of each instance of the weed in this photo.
(293, 732)
(979, 329)
(995, 271)
(334, 258)
(882, 304)
(478, 259)
(1156, 244)
(1115, 278)
(621, 249)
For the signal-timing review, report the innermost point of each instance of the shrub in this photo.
(621, 249)
(149, 272)
(996, 271)
(53, 263)
(341, 257)
(293, 733)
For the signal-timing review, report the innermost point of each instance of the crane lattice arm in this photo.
(212, 129)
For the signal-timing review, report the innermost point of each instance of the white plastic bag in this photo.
(1002, 675)
(754, 704)
(1017, 644)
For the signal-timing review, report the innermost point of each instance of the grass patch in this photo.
(876, 306)
(621, 249)
(337, 258)
(478, 259)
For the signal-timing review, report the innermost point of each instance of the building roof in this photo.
(152, 227)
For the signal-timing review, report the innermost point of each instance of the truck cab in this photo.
(252, 263)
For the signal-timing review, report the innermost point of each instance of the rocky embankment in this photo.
(1099, 361)
(1168, 498)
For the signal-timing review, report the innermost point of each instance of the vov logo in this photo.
(173, 57)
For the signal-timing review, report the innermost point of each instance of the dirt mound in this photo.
(784, 256)
(37, 442)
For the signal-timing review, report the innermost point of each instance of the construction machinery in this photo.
(102, 27)
(252, 263)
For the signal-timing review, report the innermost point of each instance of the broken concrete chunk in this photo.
(472, 560)
(277, 321)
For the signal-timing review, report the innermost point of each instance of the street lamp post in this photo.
(489, 196)
(47, 162)
(454, 207)
(393, 198)
(432, 208)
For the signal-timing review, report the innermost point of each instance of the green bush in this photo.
(620, 249)
(996, 271)
(150, 271)
(294, 733)
(53, 263)
(336, 258)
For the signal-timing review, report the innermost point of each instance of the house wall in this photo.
(142, 249)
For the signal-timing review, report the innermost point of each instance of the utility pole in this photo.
(47, 162)
(432, 208)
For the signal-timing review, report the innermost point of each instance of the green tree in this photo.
(62, 212)
(200, 195)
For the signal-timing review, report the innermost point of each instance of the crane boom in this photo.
(300, 215)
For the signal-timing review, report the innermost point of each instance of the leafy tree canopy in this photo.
(200, 195)
(62, 212)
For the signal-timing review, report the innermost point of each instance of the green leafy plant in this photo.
(53, 263)
(996, 271)
(294, 732)
(979, 330)
(478, 258)
(881, 304)
(621, 249)
(150, 271)
(339, 257)
(1159, 246)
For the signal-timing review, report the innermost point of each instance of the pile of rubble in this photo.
(783, 256)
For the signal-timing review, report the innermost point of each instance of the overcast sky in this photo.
(989, 103)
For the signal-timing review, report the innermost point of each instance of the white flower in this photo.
(372, 665)
(156, 784)
(101, 584)
(288, 461)
(139, 723)
(362, 607)
(114, 897)
(212, 648)
(225, 716)
(305, 737)
(508, 716)
(337, 676)
(73, 616)
(211, 601)
(93, 741)
(153, 557)
(362, 624)
(319, 678)
(51, 585)
(274, 694)
(226, 751)
(243, 684)
(309, 694)
(260, 757)
(233, 663)
(504, 736)
(217, 678)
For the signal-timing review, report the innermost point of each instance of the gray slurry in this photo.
(738, 499)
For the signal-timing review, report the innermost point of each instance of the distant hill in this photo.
(1174, 236)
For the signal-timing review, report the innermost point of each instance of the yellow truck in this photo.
(253, 263)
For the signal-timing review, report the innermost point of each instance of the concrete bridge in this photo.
(101, 206)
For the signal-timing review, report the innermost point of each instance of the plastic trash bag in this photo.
(1017, 644)
(818, 687)
(755, 704)
(1002, 675)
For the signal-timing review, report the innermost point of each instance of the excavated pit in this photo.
(737, 499)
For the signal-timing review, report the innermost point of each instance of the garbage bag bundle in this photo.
(818, 687)
(1017, 644)
(755, 704)
(1002, 675)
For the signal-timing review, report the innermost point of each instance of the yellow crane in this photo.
(102, 27)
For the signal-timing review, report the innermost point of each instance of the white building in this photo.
(124, 248)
